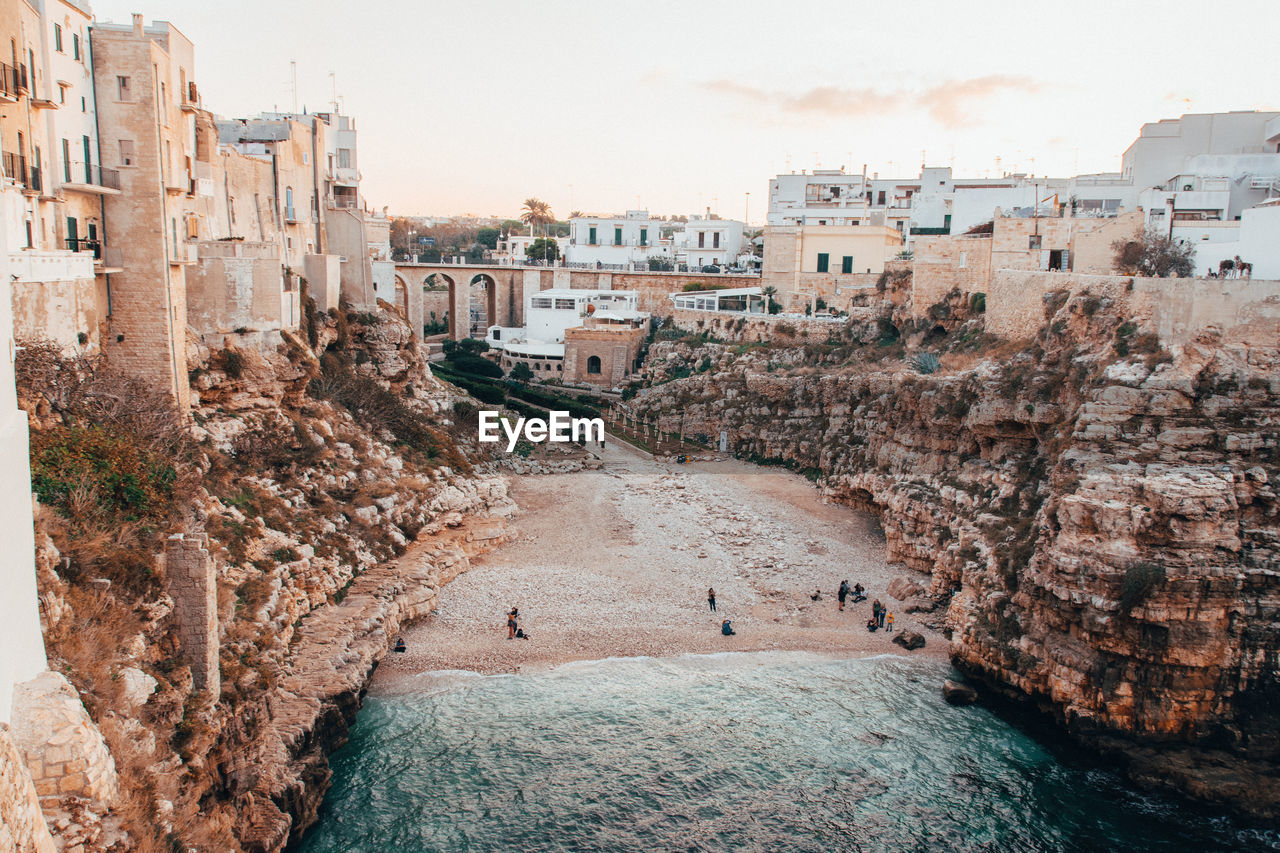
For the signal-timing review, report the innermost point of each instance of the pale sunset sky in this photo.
(469, 107)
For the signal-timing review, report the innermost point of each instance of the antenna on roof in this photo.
(333, 78)
(293, 74)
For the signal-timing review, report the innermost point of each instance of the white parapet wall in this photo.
(21, 643)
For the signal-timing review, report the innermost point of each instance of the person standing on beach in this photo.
(890, 623)
(511, 622)
(876, 607)
(711, 599)
(843, 593)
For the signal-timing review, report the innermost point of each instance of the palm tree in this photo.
(536, 212)
(769, 293)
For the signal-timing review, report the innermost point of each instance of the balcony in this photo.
(15, 167)
(88, 178)
(35, 181)
(34, 265)
(9, 81)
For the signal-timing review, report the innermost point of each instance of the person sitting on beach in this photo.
(727, 629)
(521, 635)
(872, 624)
(859, 592)
(511, 623)
(400, 646)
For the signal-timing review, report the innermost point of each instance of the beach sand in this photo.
(616, 562)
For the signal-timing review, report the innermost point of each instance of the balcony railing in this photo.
(86, 244)
(15, 167)
(11, 81)
(90, 174)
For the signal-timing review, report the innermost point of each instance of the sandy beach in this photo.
(616, 562)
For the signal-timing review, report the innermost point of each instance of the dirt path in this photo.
(617, 562)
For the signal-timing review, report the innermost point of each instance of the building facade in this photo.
(616, 242)
(706, 241)
(585, 336)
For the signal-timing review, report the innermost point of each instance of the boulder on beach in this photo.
(958, 694)
(910, 640)
(903, 588)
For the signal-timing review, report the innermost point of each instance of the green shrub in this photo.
(522, 373)
(926, 362)
(1140, 579)
(978, 303)
(79, 470)
(465, 362)
(233, 363)
(473, 345)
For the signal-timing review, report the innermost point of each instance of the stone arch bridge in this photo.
(421, 289)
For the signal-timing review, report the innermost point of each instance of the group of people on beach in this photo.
(880, 615)
(514, 631)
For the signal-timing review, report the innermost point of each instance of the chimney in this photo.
(137, 24)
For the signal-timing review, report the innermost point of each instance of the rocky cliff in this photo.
(219, 590)
(1099, 515)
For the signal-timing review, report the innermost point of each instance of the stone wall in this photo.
(62, 748)
(945, 263)
(192, 583)
(22, 824)
(235, 285)
(1180, 309)
(748, 328)
(616, 348)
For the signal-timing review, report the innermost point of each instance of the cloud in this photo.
(952, 104)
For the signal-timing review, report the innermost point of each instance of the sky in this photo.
(471, 107)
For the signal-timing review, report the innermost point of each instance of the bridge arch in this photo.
(482, 304)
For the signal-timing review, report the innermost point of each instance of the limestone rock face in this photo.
(1101, 529)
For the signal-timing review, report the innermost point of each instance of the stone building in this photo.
(50, 152)
(808, 262)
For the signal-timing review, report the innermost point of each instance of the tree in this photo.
(543, 249)
(536, 212)
(1154, 254)
(488, 237)
(768, 293)
(521, 372)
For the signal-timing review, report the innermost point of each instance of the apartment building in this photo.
(57, 240)
(707, 241)
(616, 241)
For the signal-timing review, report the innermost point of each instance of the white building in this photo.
(709, 242)
(934, 203)
(548, 313)
(739, 300)
(616, 241)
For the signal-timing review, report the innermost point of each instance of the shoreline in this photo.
(616, 561)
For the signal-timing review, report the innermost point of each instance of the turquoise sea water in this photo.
(741, 752)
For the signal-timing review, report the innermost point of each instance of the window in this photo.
(126, 152)
(644, 236)
(344, 158)
(593, 365)
(231, 209)
(57, 38)
(702, 239)
(591, 240)
(75, 46)
(964, 260)
(846, 264)
(123, 92)
(1033, 241)
(288, 202)
(715, 240)
(542, 302)
(566, 304)
(164, 103)
(880, 197)
(66, 161)
(617, 235)
(824, 261)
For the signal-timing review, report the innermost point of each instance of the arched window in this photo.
(593, 365)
